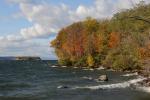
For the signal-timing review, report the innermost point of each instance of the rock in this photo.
(62, 87)
(103, 78)
(145, 82)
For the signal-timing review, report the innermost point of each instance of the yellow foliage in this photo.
(90, 61)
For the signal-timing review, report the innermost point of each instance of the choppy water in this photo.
(38, 80)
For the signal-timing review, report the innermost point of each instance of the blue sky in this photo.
(28, 26)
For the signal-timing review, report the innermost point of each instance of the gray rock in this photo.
(103, 78)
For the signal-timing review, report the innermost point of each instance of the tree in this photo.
(119, 42)
(114, 40)
(90, 61)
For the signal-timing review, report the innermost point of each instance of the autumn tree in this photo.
(114, 40)
(119, 42)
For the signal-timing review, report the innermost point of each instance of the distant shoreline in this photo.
(21, 58)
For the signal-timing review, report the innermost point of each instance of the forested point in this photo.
(120, 43)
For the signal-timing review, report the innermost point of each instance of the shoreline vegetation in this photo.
(121, 43)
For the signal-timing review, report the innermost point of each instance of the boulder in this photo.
(103, 78)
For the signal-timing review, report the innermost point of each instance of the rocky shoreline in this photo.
(145, 83)
(143, 73)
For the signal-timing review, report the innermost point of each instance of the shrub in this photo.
(81, 62)
(65, 62)
(125, 62)
(90, 61)
(107, 62)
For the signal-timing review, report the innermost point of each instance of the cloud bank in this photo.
(49, 19)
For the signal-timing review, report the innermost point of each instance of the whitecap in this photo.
(91, 69)
(75, 67)
(144, 89)
(54, 66)
(100, 68)
(113, 86)
(59, 87)
(130, 74)
(63, 66)
(62, 87)
(85, 69)
(89, 78)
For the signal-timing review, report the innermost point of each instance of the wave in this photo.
(64, 66)
(89, 78)
(75, 67)
(14, 85)
(54, 66)
(144, 89)
(112, 86)
(100, 68)
(130, 74)
(88, 69)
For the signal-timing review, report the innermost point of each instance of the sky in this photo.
(28, 26)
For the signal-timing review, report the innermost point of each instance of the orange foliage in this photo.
(148, 48)
(148, 45)
(114, 40)
(98, 43)
(144, 52)
(74, 44)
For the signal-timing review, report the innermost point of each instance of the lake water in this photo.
(40, 80)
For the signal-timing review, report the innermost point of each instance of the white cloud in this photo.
(14, 38)
(106, 8)
(49, 19)
(9, 47)
(19, 1)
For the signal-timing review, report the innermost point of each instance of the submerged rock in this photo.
(62, 87)
(103, 78)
